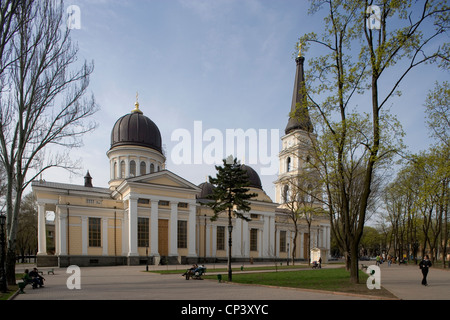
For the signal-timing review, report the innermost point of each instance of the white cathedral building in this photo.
(149, 212)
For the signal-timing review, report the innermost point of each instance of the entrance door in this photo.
(163, 237)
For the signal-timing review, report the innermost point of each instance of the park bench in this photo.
(52, 271)
(24, 283)
(363, 267)
(195, 274)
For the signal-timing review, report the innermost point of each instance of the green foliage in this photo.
(230, 190)
(352, 67)
(438, 112)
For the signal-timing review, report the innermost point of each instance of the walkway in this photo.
(131, 283)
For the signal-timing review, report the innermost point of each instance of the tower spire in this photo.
(299, 116)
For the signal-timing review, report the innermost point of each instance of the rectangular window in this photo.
(182, 234)
(95, 233)
(282, 241)
(220, 238)
(253, 239)
(143, 232)
(143, 201)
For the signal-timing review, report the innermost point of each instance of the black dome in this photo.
(206, 190)
(136, 129)
(253, 177)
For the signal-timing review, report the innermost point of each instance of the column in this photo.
(111, 169)
(62, 232)
(324, 237)
(328, 240)
(260, 243)
(57, 235)
(214, 240)
(154, 228)
(84, 235)
(245, 238)
(237, 238)
(42, 237)
(290, 243)
(132, 227)
(105, 236)
(277, 249)
(127, 167)
(208, 239)
(272, 249)
(266, 235)
(302, 252)
(125, 223)
(191, 231)
(173, 242)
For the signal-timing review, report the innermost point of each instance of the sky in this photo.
(223, 64)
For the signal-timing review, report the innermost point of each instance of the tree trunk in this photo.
(229, 246)
(294, 247)
(10, 267)
(354, 271)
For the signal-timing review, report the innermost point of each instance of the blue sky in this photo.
(227, 63)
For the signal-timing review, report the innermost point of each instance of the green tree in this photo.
(230, 194)
(354, 62)
(370, 241)
(438, 112)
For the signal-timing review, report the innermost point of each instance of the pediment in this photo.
(164, 178)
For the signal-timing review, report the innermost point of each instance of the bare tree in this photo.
(42, 100)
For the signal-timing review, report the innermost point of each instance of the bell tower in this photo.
(297, 139)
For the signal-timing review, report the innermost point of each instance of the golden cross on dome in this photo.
(136, 109)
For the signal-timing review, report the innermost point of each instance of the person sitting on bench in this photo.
(37, 277)
(29, 279)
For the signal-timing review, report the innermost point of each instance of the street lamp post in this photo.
(230, 230)
(3, 284)
(146, 253)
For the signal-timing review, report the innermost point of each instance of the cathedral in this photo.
(149, 214)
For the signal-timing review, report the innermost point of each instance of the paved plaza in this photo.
(131, 283)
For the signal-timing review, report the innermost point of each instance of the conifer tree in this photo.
(231, 195)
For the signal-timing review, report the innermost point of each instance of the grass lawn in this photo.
(11, 289)
(236, 269)
(335, 280)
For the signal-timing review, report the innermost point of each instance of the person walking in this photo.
(424, 265)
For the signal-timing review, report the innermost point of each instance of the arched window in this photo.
(152, 168)
(122, 169)
(115, 174)
(288, 164)
(309, 197)
(143, 168)
(132, 168)
(286, 195)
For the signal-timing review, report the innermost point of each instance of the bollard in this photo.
(219, 277)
